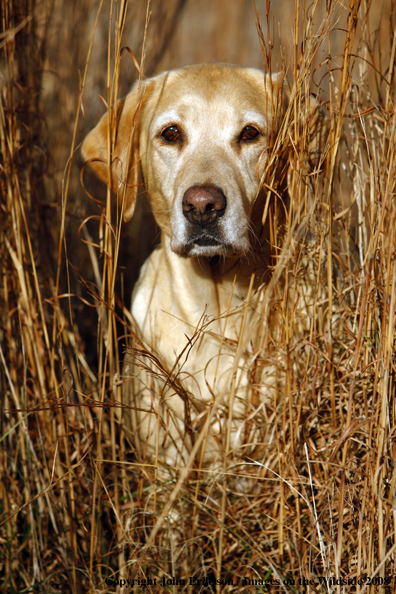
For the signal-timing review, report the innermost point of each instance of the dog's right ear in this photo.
(124, 139)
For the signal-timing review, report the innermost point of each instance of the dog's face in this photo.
(202, 135)
(202, 139)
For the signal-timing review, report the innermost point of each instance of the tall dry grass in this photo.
(77, 505)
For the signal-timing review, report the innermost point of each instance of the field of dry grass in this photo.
(78, 509)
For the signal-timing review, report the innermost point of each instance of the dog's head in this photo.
(201, 135)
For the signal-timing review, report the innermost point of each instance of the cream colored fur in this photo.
(189, 303)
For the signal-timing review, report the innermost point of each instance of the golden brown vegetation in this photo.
(77, 506)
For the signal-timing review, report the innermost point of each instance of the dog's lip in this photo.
(206, 240)
(206, 245)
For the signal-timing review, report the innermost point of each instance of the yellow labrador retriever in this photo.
(201, 136)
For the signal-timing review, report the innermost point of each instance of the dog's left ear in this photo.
(308, 134)
(315, 124)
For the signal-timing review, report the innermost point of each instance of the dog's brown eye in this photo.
(171, 134)
(249, 133)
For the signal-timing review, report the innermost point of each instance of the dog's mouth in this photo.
(206, 245)
(202, 243)
(206, 241)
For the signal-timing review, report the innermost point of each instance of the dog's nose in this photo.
(203, 204)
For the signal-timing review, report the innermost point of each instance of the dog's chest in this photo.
(190, 319)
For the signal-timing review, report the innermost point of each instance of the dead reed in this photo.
(79, 510)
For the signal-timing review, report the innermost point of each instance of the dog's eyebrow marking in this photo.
(250, 117)
(167, 118)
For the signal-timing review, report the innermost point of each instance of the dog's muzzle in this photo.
(203, 207)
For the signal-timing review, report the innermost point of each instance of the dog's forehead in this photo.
(216, 89)
(210, 80)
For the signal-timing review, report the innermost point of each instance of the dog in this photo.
(202, 136)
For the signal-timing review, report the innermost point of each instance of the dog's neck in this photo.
(218, 274)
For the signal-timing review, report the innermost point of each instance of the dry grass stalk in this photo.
(77, 505)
